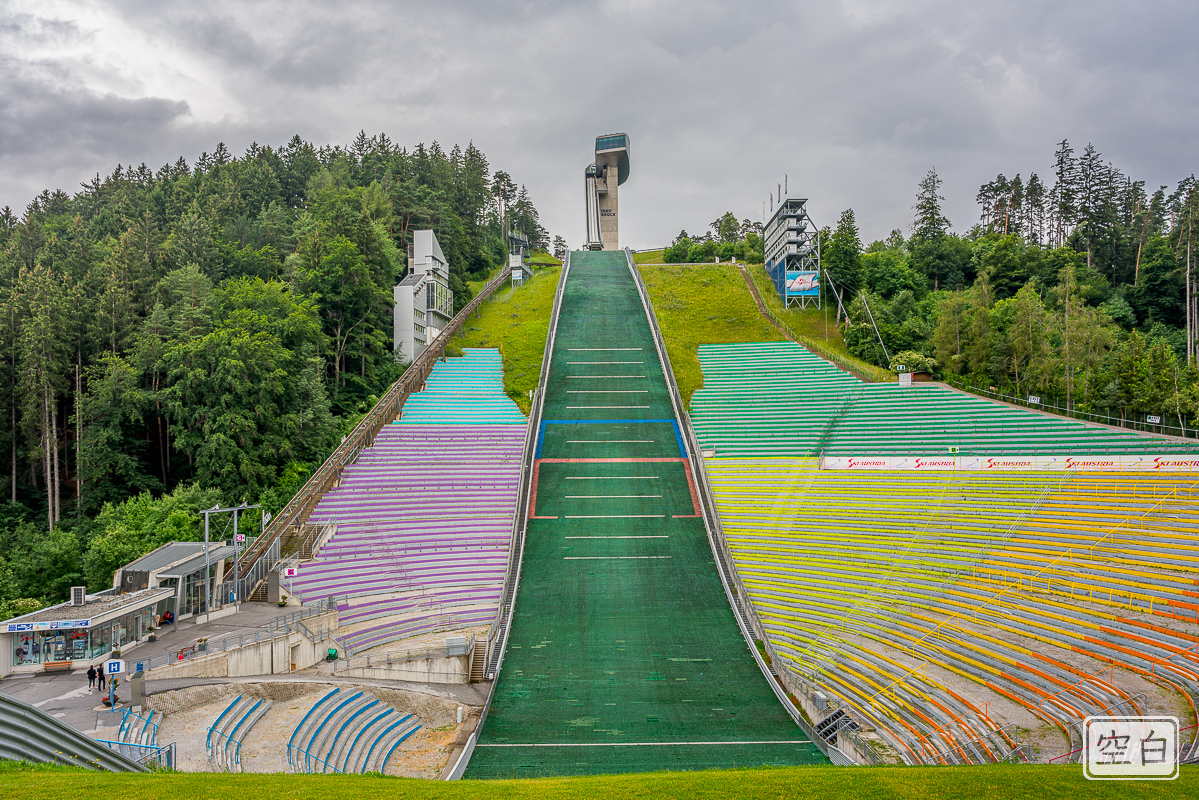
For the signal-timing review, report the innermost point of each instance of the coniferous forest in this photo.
(206, 333)
(1080, 289)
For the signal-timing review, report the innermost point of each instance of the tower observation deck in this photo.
(609, 170)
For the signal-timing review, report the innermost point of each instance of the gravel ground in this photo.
(189, 712)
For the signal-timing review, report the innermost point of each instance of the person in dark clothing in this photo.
(91, 676)
(100, 679)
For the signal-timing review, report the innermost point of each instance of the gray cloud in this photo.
(855, 100)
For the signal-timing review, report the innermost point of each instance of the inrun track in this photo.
(624, 655)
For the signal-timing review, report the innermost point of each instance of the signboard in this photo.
(1014, 463)
(1130, 748)
(1034, 399)
(18, 627)
(114, 667)
(239, 538)
(803, 284)
(289, 572)
(1153, 420)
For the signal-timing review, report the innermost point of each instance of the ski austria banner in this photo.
(803, 284)
(1122, 463)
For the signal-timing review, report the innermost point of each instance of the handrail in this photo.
(711, 520)
(503, 622)
(364, 432)
(305, 719)
(1184, 432)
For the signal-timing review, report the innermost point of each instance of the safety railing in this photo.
(738, 598)
(363, 434)
(151, 756)
(130, 728)
(1163, 426)
(399, 657)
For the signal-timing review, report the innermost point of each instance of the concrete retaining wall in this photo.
(272, 657)
(451, 669)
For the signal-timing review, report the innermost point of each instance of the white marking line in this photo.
(598, 349)
(637, 744)
(611, 477)
(607, 391)
(80, 692)
(610, 558)
(617, 516)
(615, 537)
(609, 441)
(605, 362)
(595, 496)
(570, 407)
(592, 377)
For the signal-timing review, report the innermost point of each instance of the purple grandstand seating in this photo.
(424, 522)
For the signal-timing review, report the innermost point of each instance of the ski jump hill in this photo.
(624, 653)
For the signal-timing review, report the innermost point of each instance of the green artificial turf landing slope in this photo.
(624, 655)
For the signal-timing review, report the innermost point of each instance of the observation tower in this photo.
(609, 170)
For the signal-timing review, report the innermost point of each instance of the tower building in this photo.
(609, 170)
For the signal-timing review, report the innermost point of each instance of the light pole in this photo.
(208, 560)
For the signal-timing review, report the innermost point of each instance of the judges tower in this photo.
(609, 170)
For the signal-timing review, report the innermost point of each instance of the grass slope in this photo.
(649, 257)
(516, 321)
(1025, 782)
(702, 305)
(819, 325)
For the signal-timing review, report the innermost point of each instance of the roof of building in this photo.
(168, 554)
(95, 606)
(219, 553)
(411, 279)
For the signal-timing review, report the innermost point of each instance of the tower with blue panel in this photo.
(792, 249)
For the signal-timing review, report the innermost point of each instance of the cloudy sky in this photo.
(854, 100)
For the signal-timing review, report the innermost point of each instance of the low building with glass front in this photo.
(81, 634)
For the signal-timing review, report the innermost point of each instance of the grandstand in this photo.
(420, 524)
(956, 613)
(801, 405)
(624, 654)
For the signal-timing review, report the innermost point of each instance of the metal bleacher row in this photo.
(226, 734)
(938, 606)
(348, 731)
(840, 415)
(424, 516)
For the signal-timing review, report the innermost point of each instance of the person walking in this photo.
(100, 679)
(91, 676)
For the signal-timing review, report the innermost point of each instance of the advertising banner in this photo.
(803, 284)
(1123, 463)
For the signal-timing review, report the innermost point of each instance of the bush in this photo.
(914, 362)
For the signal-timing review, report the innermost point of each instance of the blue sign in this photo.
(803, 284)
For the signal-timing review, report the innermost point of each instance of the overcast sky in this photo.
(854, 100)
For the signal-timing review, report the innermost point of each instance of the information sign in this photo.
(114, 667)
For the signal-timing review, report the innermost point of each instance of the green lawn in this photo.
(1026, 782)
(648, 257)
(540, 258)
(516, 321)
(702, 305)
